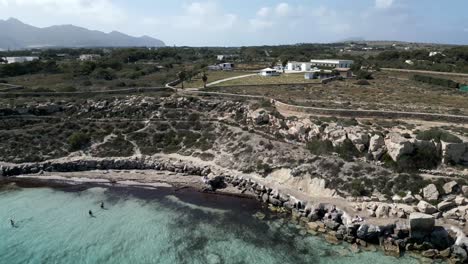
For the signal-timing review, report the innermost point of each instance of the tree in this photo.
(284, 63)
(182, 75)
(204, 79)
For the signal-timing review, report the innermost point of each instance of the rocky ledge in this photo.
(418, 233)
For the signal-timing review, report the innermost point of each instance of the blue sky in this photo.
(255, 22)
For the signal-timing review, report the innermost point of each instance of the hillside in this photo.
(15, 34)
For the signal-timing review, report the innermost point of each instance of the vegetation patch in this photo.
(438, 135)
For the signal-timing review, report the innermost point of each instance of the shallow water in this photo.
(154, 226)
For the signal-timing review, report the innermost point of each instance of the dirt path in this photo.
(426, 72)
(230, 79)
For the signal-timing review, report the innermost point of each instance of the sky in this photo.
(254, 22)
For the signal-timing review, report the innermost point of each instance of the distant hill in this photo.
(15, 34)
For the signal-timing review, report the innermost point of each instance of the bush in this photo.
(364, 75)
(436, 81)
(347, 150)
(78, 141)
(320, 147)
(363, 82)
(438, 135)
(65, 89)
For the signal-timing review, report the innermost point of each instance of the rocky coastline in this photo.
(417, 233)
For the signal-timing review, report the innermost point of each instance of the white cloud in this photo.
(93, 10)
(283, 9)
(383, 4)
(264, 12)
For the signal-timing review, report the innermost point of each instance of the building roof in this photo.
(267, 69)
(330, 61)
(343, 69)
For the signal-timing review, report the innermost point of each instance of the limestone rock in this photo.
(446, 205)
(376, 142)
(431, 193)
(420, 222)
(460, 200)
(382, 211)
(465, 190)
(408, 199)
(452, 152)
(426, 208)
(450, 187)
(398, 146)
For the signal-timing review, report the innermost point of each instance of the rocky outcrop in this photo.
(398, 146)
(143, 163)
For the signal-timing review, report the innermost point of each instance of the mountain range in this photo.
(15, 34)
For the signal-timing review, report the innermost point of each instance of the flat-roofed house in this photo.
(21, 59)
(332, 63)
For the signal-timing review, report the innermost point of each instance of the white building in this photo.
(332, 63)
(299, 66)
(226, 57)
(89, 57)
(268, 72)
(222, 67)
(22, 59)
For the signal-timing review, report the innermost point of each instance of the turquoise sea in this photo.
(141, 225)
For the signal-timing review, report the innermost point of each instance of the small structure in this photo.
(318, 74)
(332, 63)
(21, 59)
(226, 57)
(345, 72)
(89, 57)
(222, 67)
(268, 72)
(299, 66)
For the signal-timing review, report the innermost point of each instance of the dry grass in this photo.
(197, 82)
(282, 79)
(386, 92)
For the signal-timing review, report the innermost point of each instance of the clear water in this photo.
(154, 226)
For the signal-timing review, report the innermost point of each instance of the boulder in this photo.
(408, 199)
(452, 152)
(382, 211)
(446, 205)
(260, 117)
(426, 208)
(431, 193)
(464, 189)
(460, 200)
(440, 238)
(369, 233)
(360, 139)
(421, 223)
(451, 187)
(459, 254)
(398, 146)
(376, 143)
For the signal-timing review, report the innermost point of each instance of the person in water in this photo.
(12, 223)
(102, 205)
(90, 213)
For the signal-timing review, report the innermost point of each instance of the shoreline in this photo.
(330, 216)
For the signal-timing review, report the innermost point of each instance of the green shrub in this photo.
(320, 147)
(363, 82)
(347, 150)
(436, 81)
(78, 141)
(438, 135)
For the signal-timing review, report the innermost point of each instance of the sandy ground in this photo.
(136, 178)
